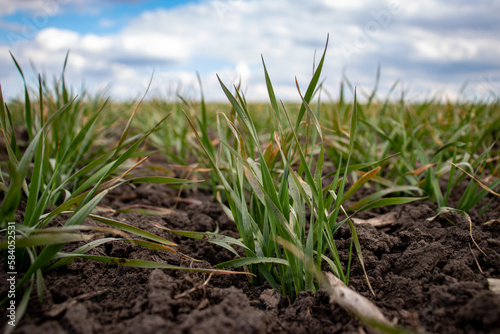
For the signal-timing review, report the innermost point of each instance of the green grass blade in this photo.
(310, 112)
(359, 183)
(65, 93)
(209, 236)
(132, 229)
(445, 147)
(361, 166)
(357, 246)
(270, 89)
(381, 193)
(146, 264)
(81, 250)
(162, 180)
(48, 239)
(375, 88)
(84, 131)
(35, 184)
(13, 195)
(5, 120)
(389, 201)
(354, 124)
(151, 245)
(311, 88)
(236, 263)
(129, 122)
(241, 113)
(27, 102)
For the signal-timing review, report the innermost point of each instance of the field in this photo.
(363, 214)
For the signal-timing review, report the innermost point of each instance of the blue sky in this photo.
(99, 18)
(431, 47)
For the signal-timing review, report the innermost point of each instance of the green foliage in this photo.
(425, 142)
(63, 171)
(285, 210)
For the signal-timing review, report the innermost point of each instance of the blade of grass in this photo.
(27, 102)
(359, 183)
(147, 264)
(482, 185)
(236, 263)
(132, 229)
(13, 195)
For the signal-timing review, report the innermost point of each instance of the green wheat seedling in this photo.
(175, 142)
(277, 195)
(171, 140)
(462, 154)
(427, 142)
(63, 175)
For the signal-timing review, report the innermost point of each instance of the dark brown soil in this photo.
(427, 276)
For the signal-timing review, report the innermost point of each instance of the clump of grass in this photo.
(429, 143)
(61, 172)
(278, 195)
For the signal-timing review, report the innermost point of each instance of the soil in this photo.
(428, 276)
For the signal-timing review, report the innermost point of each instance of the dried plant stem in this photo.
(359, 306)
(353, 301)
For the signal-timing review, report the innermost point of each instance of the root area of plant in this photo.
(428, 276)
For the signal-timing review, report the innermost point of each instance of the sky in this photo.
(444, 49)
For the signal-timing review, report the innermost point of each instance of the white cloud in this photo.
(8, 6)
(410, 42)
(55, 39)
(96, 43)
